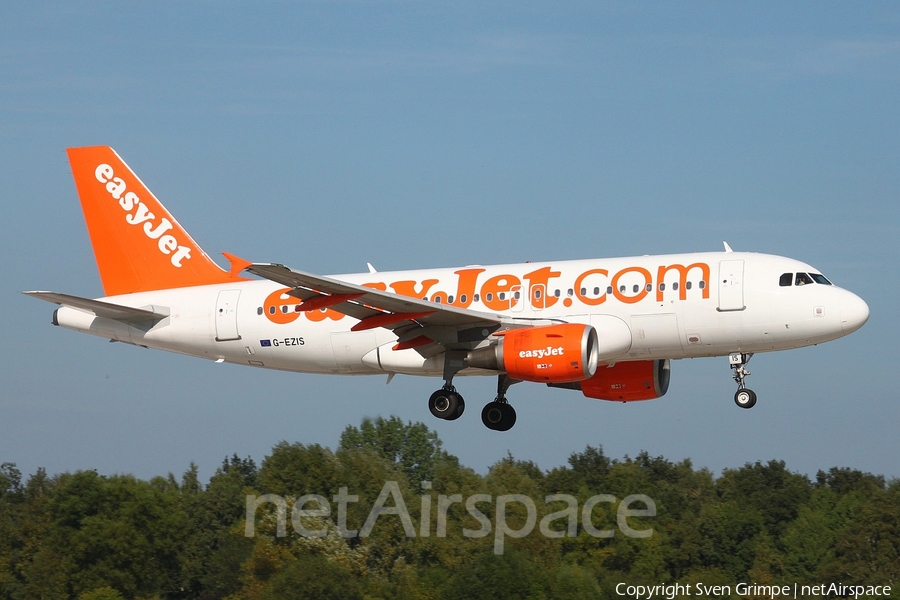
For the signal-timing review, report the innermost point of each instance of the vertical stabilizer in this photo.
(138, 245)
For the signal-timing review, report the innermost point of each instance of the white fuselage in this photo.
(671, 306)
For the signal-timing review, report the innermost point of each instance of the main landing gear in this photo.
(499, 415)
(446, 403)
(744, 397)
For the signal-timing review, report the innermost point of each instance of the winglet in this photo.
(727, 247)
(238, 264)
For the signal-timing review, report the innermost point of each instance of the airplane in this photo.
(606, 327)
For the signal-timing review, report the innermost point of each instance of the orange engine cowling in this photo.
(550, 354)
(629, 381)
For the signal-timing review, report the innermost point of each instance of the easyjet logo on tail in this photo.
(141, 216)
(138, 245)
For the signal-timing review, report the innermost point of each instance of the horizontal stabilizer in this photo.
(100, 308)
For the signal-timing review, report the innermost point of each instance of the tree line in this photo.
(88, 536)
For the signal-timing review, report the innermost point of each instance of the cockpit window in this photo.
(786, 279)
(819, 278)
(802, 279)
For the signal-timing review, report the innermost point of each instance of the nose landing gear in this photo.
(744, 397)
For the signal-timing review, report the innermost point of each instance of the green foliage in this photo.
(775, 493)
(10, 480)
(86, 536)
(101, 593)
(509, 576)
(313, 578)
(212, 552)
(412, 448)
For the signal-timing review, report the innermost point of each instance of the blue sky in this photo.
(411, 135)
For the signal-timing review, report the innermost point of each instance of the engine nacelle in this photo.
(550, 354)
(629, 381)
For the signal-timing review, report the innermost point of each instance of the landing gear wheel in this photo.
(460, 408)
(445, 404)
(492, 415)
(745, 398)
(509, 418)
(498, 416)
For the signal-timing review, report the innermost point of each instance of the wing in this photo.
(418, 323)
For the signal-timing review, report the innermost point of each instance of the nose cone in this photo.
(854, 313)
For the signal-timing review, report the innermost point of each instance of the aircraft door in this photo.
(226, 316)
(731, 285)
(538, 296)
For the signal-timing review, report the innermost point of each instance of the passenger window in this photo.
(259, 310)
(475, 298)
(556, 293)
(786, 279)
(609, 289)
(537, 294)
(489, 296)
(702, 284)
(462, 298)
(636, 288)
(517, 295)
(662, 287)
(271, 310)
(687, 285)
(596, 291)
(674, 286)
(649, 287)
(502, 295)
(449, 299)
(802, 279)
(584, 291)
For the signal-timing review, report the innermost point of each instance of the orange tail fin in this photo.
(138, 245)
